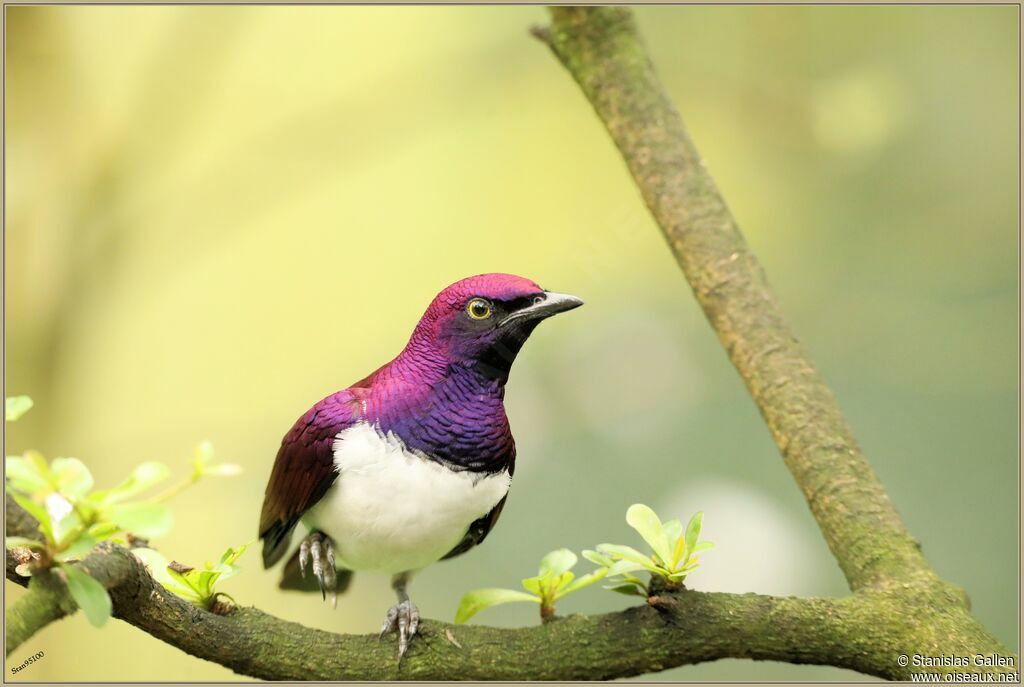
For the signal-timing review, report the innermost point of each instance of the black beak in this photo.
(545, 305)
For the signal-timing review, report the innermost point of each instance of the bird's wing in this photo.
(304, 469)
(478, 531)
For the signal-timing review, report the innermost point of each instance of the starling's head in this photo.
(483, 321)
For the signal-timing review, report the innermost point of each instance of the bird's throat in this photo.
(455, 416)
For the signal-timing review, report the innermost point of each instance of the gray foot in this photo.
(405, 617)
(318, 549)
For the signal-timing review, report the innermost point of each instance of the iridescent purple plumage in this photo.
(443, 394)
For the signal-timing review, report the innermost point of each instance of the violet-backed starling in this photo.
(412, 464)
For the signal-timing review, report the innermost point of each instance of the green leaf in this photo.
(679, 576)
(16, 406)
(228, 558)
(82, 545)
(71, 477)
(143, 477)
(645, 521)
(89, 594)
(678, 552)
(147, 520)
(228, 571)
(477, 600)
(196, 585)
(532, 585)
(24, 475)
(157, 565)
(702, 546)
(624, 566)
(560, 581)
(627, 553)
(34, 509)
(633, 579)
(584, 581)
(204, 582)
(673, 530)
(186, 581)
(102, 530)
(557, 562)
(24, 542)
(693, 530)
(628, 589)
(597, 558)
(67, 531)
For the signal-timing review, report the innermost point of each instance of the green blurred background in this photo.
(218, 215)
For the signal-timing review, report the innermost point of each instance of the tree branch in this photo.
(34, 611)
(860, 633)
(899, 606)
(601, 48)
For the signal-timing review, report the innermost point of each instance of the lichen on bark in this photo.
(898, 604)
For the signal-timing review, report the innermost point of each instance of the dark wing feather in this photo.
(304, 469)
(478, 531)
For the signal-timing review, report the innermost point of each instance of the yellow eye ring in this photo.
(478, 309)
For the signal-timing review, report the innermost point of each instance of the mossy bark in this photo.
(601, 48)
(33, 612)
(899, 605)
(864, 632)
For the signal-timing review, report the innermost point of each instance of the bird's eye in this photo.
(479, 309)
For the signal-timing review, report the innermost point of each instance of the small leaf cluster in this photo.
(553, 581)
(195, 585)
(672, 558)
(74, 517)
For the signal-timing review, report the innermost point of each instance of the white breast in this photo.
(393, 511)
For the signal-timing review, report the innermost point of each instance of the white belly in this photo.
(392, 511)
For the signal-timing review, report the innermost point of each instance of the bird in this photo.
(413, 463)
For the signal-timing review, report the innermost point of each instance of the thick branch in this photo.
(602, 50)
(900, 607)
(861, 633)
(34, 611)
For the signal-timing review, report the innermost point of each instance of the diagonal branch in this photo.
(601, 48)
(900, 606)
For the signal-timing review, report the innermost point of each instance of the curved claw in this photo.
(405, 617)
(389, 622)
(303, 556)
(318, 549)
